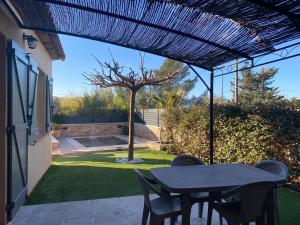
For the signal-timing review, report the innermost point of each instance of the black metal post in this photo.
(211, 119)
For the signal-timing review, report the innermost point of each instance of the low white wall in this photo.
(39, 160)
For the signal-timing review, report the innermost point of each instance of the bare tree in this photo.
(114, 75)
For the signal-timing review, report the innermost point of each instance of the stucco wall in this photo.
(11, 31)
(39, 160)
(89, 129)
(147, 131)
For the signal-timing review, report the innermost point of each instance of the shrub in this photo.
(244, 135)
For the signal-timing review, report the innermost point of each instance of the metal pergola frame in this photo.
(285, 53)
(292, 18)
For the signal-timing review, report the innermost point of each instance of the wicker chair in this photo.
(278, 168)
(200, 197)
(160, 208)
(249, 208)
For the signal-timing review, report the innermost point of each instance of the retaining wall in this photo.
(89, 129)
(147, 131)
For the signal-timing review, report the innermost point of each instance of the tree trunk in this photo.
(131, 124)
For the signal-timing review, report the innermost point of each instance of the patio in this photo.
(92, 182)
(111, 211)
(228, 32)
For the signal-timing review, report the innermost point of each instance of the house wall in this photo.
(39, 154)
(39, 157)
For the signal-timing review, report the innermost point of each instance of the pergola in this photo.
(201, 33)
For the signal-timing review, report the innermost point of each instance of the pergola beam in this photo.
(199, 76)
(294, 18)
(125, 18)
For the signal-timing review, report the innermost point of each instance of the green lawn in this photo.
(289, 207)
(96, 175)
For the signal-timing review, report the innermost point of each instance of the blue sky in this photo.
(68, 77)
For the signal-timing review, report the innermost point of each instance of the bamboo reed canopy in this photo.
(204, 33)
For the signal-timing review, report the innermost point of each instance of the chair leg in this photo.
(221, 219)
(155, 220)
(200, 209)
(209, 213)
(260, 221)
(276, 207)
(173, 220)
(145, 215)
(220, 216)
(231, 222)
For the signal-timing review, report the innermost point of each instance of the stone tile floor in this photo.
(113, 211)
(69, 145)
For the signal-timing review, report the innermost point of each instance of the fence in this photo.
(151, 116)
(108, 116)
(145, 116)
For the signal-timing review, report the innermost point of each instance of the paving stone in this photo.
(84, 221)
(112, 211)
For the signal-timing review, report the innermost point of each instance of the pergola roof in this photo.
(205, 33)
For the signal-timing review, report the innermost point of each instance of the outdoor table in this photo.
(212, 178)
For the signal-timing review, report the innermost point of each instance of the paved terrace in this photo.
(112, 211)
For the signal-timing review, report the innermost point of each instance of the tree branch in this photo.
(112, 74)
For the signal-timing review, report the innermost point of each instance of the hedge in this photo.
(243, 135)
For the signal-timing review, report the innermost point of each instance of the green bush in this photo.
(242, 134)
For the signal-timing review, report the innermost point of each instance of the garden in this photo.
(97, 176)
(261, 125)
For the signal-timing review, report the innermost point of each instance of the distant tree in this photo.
(143, 98)
(114, 75)
(182, 83)
(121, 98)
(95, 101)
(68, 105)
(293, 103)
(161, 95)
(204, 99)
(256, 87)
(169, 100)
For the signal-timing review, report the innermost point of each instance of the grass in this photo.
(93, 175)
(96, 175)
(289, 207)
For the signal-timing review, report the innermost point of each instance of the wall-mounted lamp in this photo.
(31, 41)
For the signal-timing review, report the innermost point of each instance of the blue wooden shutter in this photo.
(32, 102)
(17, 128)
(49, 90)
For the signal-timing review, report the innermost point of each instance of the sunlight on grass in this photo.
(94, 175)
(107, 160)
